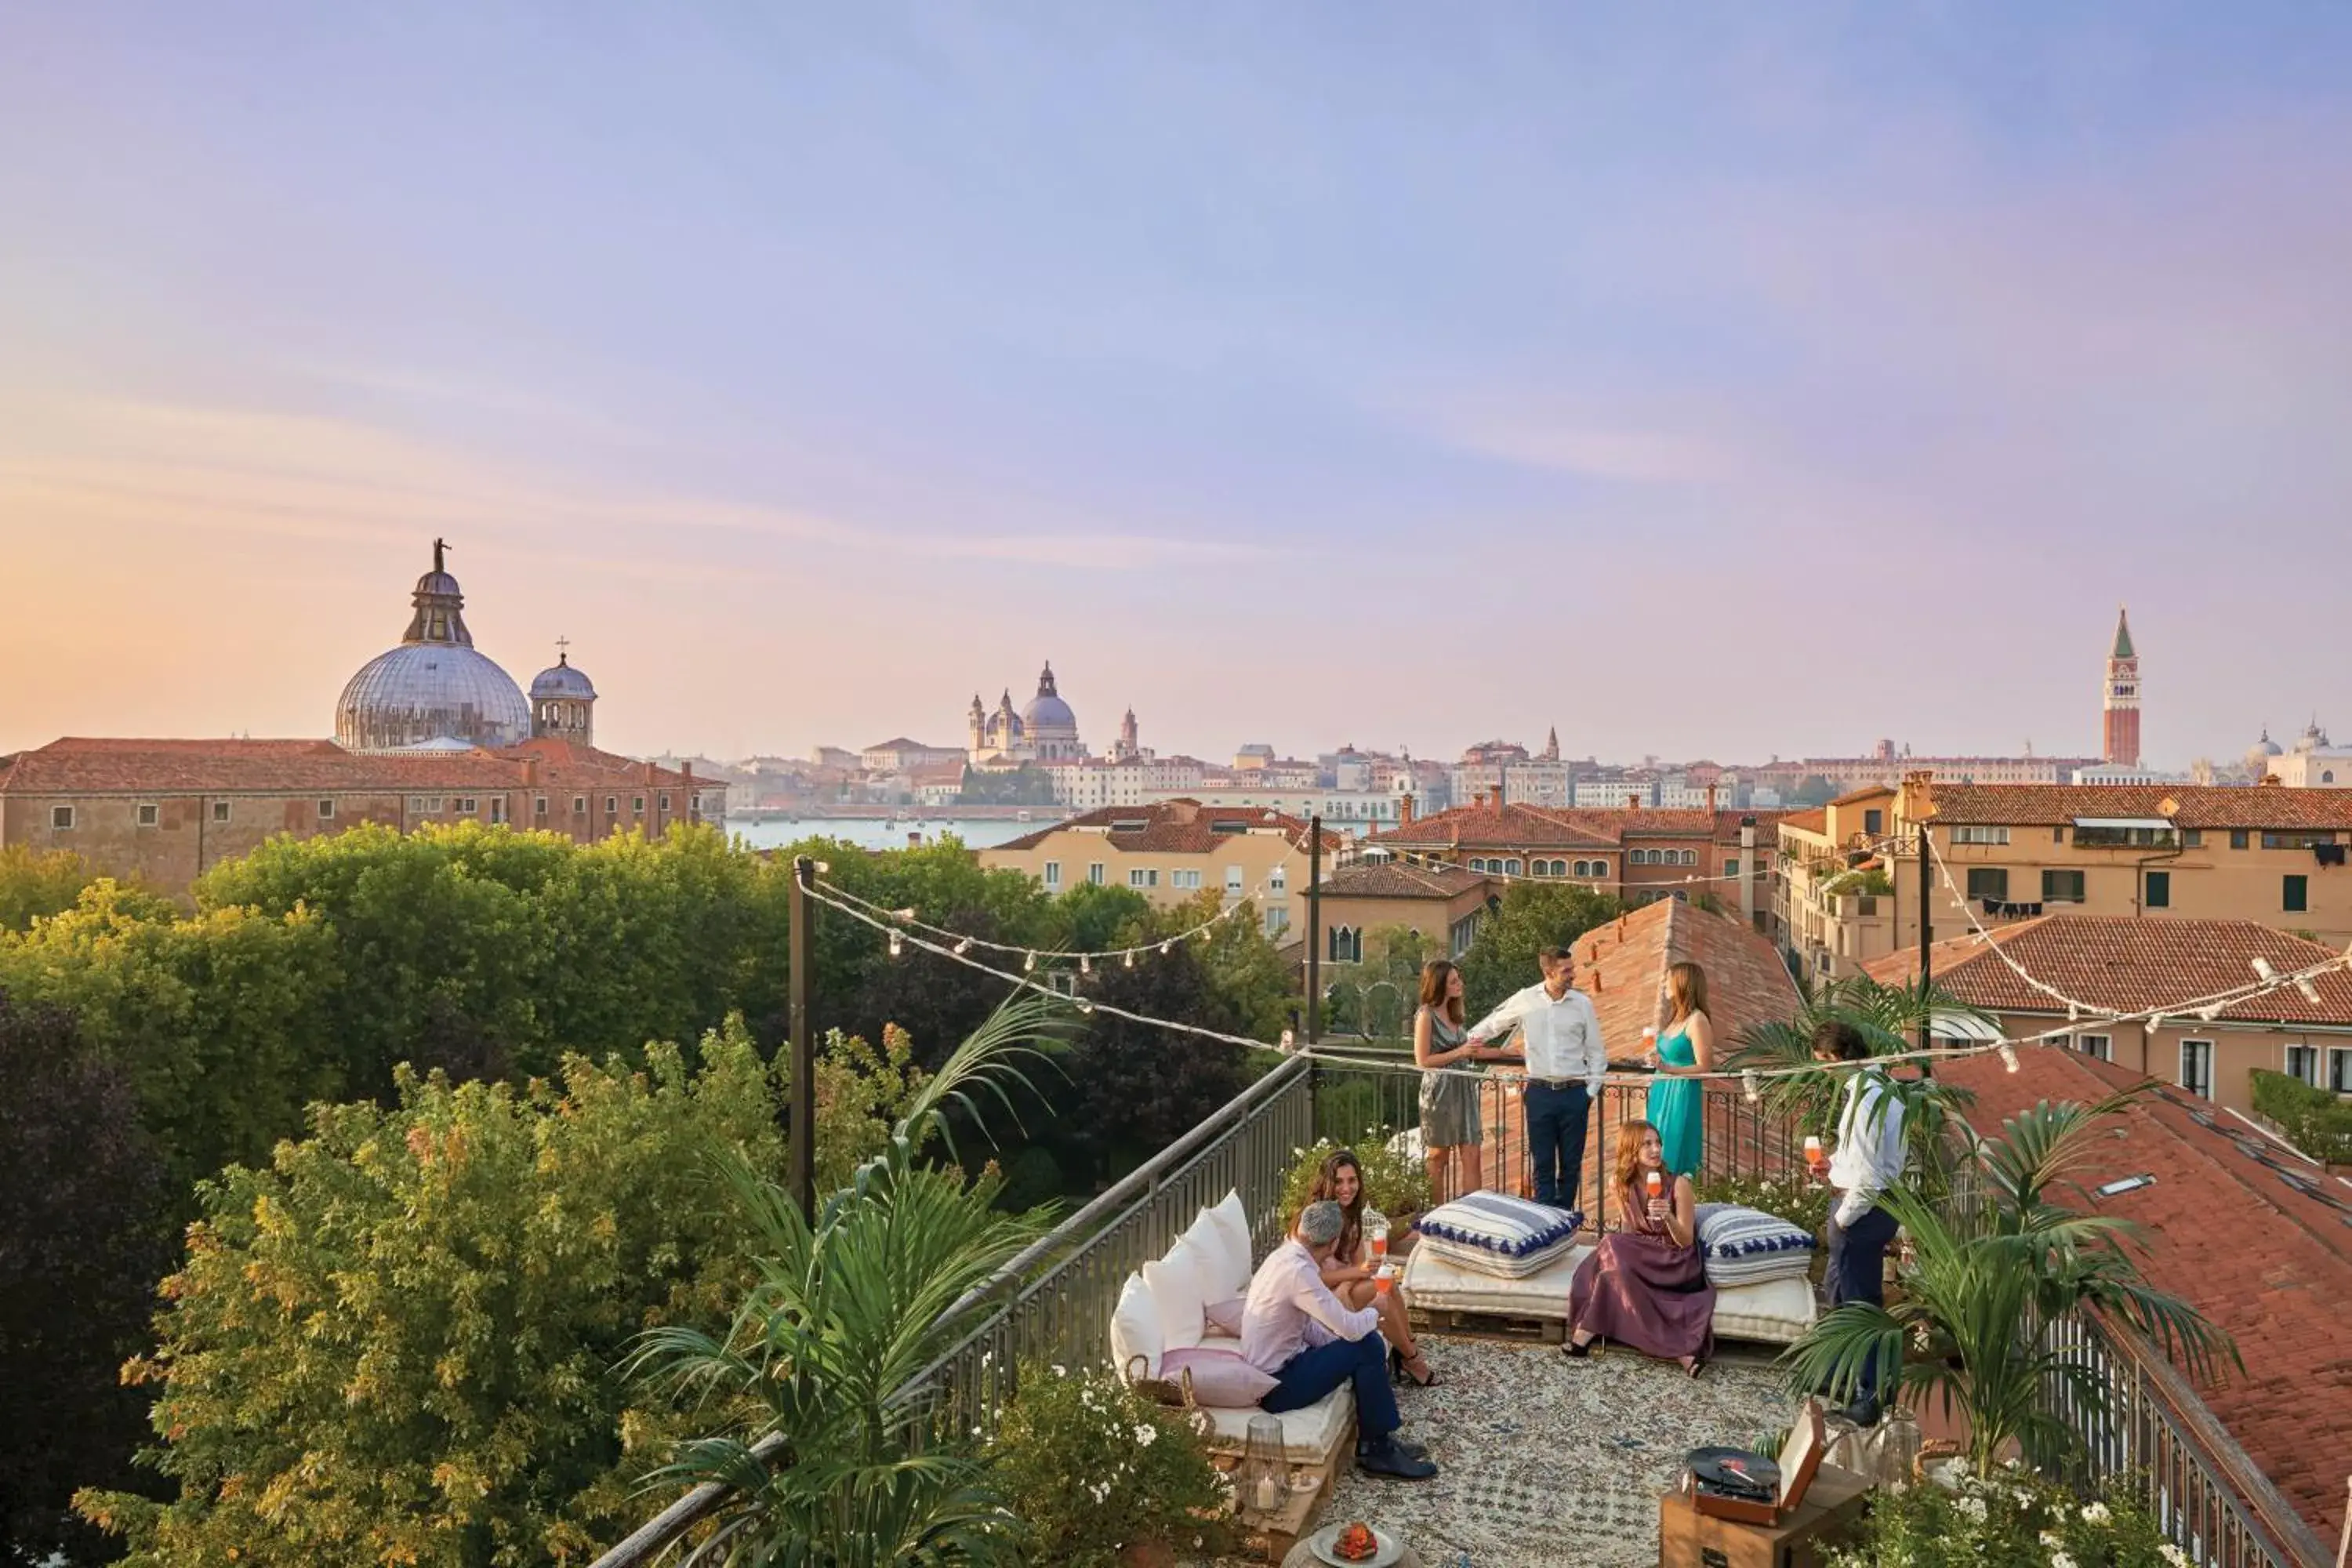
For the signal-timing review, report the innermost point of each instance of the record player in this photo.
(1731, 1483)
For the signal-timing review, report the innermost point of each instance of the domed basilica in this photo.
(1043, 732)
(434, 693)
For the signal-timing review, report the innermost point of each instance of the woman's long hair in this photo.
(1686, 984)
(1327, 1182)
(1628, 1152)
(1433, 977)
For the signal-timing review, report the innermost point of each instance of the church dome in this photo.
(2265, 747)
(1047, 711)
(559, 680)
(432, 688)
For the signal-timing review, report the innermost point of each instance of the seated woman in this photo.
(1348, 1272)
(1644, 1285)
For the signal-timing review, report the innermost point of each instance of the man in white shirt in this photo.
(1294, 1329)
(1867, 1160)
(1566, 1066)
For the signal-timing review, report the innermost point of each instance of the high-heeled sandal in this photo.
(1578, 1352)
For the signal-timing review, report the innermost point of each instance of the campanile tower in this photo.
(2122, 700)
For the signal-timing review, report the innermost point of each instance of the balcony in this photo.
(1544, 1460)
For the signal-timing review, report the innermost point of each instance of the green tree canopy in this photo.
(35, 883)
(1531, 917)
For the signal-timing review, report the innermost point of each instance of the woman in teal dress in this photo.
(1686, 1049)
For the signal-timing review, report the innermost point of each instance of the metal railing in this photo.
(1376, 1093)
(2156, 1438)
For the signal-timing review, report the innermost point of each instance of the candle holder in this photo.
(1262, 1485)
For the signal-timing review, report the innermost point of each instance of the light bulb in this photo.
(1086, 964)
(1165, 947)
(896, 943)
(1129, 958)
(1750, 1088)
(1287, 1039)
(964, 947)
(1028, 962)
(1084, 1006)
(906, 914)
(2007, 1056)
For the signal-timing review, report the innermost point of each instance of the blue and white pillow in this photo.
(1499, 1224)
(1748, 1247)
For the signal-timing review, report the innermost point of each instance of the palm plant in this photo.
(1888, 1018)
(819, 1452)
(1987, 1276)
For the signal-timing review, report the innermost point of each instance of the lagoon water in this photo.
(874, 832)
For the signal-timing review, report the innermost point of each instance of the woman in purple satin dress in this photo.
(1644, 1285)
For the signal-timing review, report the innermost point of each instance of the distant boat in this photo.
(1021, 816)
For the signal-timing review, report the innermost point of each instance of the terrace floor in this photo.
(1547, 1462)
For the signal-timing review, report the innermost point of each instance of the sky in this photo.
(1715, 380)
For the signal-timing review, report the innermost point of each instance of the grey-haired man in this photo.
(1310, 1342)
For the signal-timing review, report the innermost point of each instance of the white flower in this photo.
(1973, 1507)
(2060, 1559)
(1061, 1371)
(2050, 1538)
(2173, 1554)
(2095, 1514)
(1146, 1434)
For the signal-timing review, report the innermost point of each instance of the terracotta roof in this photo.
(1867, 792)
(1814, 821)
(81, 766)
(2128, 963)
(1514, 826)
(1623, 966)
(2192, 806)
(1176, 827)
(2266, 1258)
(1396, 880)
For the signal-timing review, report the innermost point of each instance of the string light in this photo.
(2007, 1056)
(897, 943)
(1165, 947)
(1287, 1041)
(1083, 1004)
(1127, 958)
(964, 947)
(1028, 963)
(1749, 1090)
(1086, 964)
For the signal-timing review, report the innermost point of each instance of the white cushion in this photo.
(1308, 1436)
(1180, 1289)
(1229, 1222)
(1502, 1266)
(1773, 1312)
(1744, 1245)
(1437, 1283)
(1135, 1329)
(1499, 1223)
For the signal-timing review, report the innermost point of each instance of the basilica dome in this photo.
(1047, 711)
(432, 690)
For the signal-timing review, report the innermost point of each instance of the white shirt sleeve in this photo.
(1873, 1124)
(1314, 1299)
(1596, 1053)
(1501, 1021)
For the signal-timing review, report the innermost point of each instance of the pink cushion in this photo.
(1226, 1317)
(1220, 1379)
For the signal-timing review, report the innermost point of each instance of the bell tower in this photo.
(2121, 703)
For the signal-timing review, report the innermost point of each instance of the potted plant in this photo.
(1395, 1184)
(1099, 1476)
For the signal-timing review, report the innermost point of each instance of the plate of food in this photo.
(1355, 1545)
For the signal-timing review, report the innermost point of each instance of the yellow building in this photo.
(2011, 852)
(1173, 851)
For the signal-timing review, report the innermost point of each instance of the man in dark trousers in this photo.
(1867, 1160)
(1566, 1069)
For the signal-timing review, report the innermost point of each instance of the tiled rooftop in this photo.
(1513, 825)
(2128, 963)
(1177, 828)
(78, 765)
(1396, 879)
(2258, 1240)
(1623, 967)
(2191, 805)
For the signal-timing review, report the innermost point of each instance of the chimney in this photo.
(1710, 800)
(1633, 803)
(529, 771)
(1479, 800)
(687, 767)
(1498, 789)
(650, 770)
(1404, 809)
(1748, 870)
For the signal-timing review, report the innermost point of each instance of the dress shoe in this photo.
(1386, 1456)
(1863, 1412)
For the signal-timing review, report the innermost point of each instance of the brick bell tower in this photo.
(2122, 700)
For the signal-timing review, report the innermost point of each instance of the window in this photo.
(578, 805)
(637, 805)
(1232, 881)
(1053, 873)
(2237, 839)
(2062, 887)
(466, 804)
(2297, 839)
(2192, 838)
(1511, 866)
(1061, 983)
(2099, 1046)
(2295, 894)
(497, 808)
(2339, 1069)
(149, 815)
(326, 811)
(1095, 872)
(2197, 1068)
(2123, 837)
(1979, 834)
(538, 806)
(1275, 920)
(220, 811)
(1731, 867)
(612, 805)
(2303, 1062)
(1989, 882)
(664, 801)
(1690, 857)
(61, 818)
(2057, 835)
(1277, 880)
(2327, 775)
(1874, 821)
(1346, 945)
(2160, 890)
(1189, 880)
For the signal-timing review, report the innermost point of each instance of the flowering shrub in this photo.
(2009, 1519)
(1800, 1202)
(1090, 1467)
(1393, 1183)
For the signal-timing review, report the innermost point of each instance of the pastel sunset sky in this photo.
(1709, 380)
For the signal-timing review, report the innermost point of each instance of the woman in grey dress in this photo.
(1449, 1101)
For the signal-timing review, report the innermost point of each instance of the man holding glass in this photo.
(1566, 1068)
